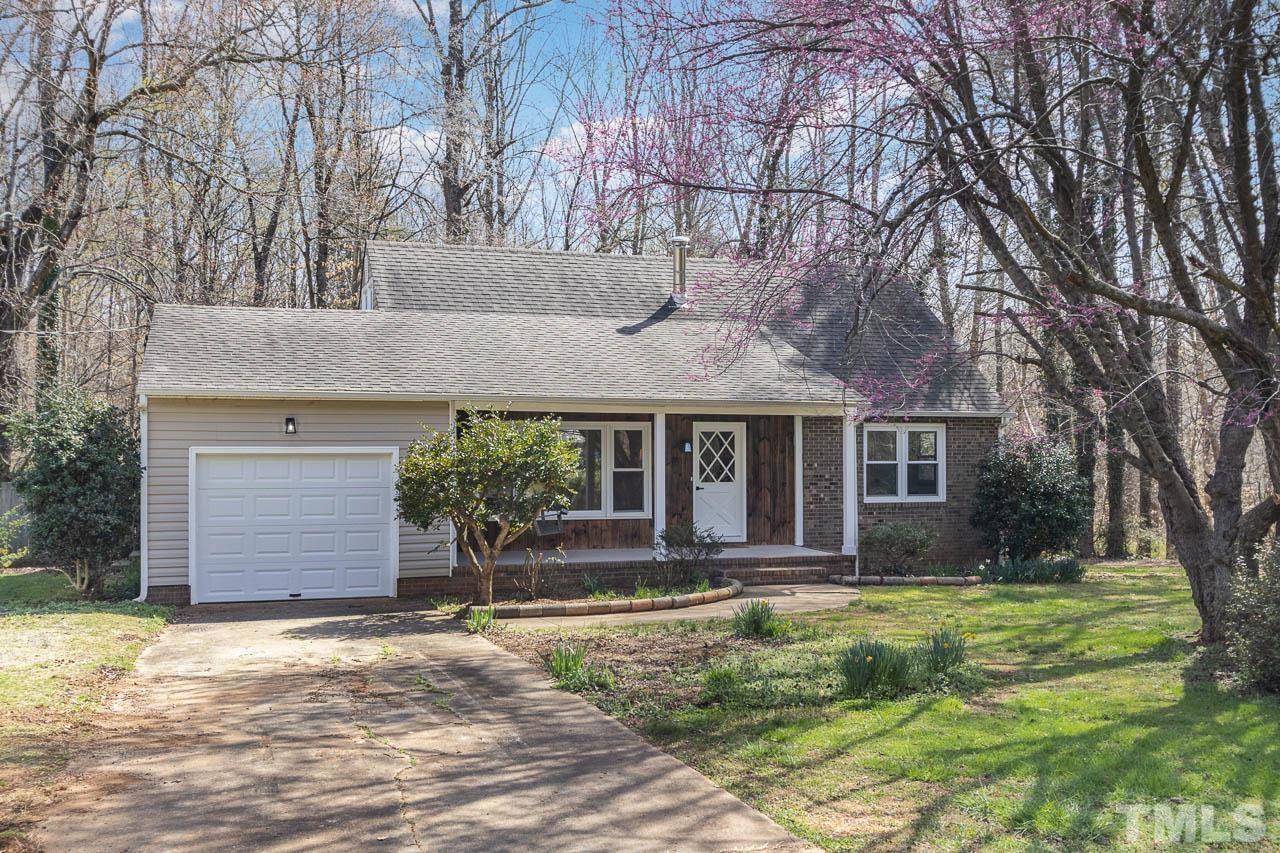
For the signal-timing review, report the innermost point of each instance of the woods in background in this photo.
(1087, 197)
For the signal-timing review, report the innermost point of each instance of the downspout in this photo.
(142, 517)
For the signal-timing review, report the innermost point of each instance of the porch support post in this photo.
(850, 478)
(797, 444)
(659, 474)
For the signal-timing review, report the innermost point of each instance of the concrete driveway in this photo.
(336, 726)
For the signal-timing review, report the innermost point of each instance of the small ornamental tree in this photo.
(492, 481)
(1030, 500)
(78, 474)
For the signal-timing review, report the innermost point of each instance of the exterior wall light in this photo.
(290, 426)
(687, 447)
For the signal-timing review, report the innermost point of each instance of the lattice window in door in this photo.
(716, 457)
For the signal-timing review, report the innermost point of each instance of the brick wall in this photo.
(968, 442)
(177, 594)
(823, 460)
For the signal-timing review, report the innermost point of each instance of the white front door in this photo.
(720, 479)
(292, 525)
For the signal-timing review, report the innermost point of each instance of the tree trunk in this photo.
(1116, 544)
(1086, 463)
(1146, 521)
(1208, 567)
(484, 580)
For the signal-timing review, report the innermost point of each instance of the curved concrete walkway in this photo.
(348, 726)
(789, 598)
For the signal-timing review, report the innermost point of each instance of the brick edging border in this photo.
(731, 589)
(927, 580)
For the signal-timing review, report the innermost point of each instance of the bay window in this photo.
(613, 478)
(904, 463)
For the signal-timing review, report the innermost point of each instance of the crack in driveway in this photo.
(240, 736)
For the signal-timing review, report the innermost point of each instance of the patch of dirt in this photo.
(648, 666)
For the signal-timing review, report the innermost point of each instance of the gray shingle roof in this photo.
(205, 350)
(900, 350)
(460, 322)
(490, 279)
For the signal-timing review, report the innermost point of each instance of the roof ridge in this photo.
(536, 250)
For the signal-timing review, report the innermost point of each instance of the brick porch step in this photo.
(766, 575)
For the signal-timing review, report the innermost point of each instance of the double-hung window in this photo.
(613, 479)
(904, 463)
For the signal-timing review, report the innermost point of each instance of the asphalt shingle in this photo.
(456, 354)
(501, 323)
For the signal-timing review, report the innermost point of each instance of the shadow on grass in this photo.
(1088, 707)
(1043, 773)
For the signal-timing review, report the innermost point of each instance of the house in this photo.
(270, 436)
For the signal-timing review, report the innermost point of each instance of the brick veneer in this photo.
(969, 440)
(179, 594)
(822, 462)
(967, 444)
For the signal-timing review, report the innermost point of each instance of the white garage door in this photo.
(292, 525)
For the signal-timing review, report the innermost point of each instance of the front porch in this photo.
(774, 555)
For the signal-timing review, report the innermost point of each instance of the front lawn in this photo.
(1083, 698)
(61, 658)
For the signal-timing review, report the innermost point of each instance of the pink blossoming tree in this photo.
(1114, 157)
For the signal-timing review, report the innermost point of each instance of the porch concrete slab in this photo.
(632, 555)
(310, 726)
(790, 598)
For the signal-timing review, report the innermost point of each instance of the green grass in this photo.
(61, 657)
(1084, 699)
(643, 591)
(32, 589)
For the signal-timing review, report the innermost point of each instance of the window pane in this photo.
(628, 491)
(589, 482)
(882, 446)
(628, 448)
(922, 446)
(922, 478)
(882, 480)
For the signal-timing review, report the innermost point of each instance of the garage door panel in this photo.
(273, 471)
(225, 544)
(364, 472)
(289, 526)
(273, 507)
(223, 508)
(318, 507)
(224, 471)
(272, 544)
(364, 506)
(320, 470)
(318, 544)
(363, 542)
(320, 581)
(363, 578)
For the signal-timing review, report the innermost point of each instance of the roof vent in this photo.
(679, 256)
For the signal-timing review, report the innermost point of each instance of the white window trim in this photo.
(901, 431)
(607, 429)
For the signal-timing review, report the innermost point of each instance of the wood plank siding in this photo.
(770, 468)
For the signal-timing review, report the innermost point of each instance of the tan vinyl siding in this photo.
(174, 426)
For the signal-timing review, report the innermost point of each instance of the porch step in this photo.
(778, 575)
